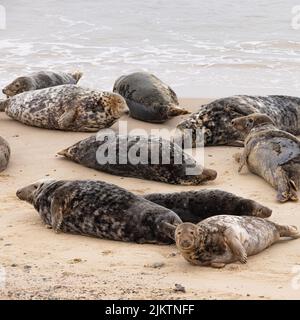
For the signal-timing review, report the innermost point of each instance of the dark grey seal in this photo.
(67, 107)
(215, 118)
(139, 157)
(148, 98)
(99, 209)
(271, 153)
(194, 206)
(40, 80)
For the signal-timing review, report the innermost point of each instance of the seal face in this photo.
(4, 154)
(271, 153)
(99, 209)
(219, 240)
(139, 157)
(40, 80)
(194, 206)
(148, 98)
(67, 107)
(215, 117)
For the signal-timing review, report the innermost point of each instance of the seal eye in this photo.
(251, 120)
(17, 85)
(179, 233)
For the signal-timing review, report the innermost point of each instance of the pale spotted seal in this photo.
(148, 98)
(40, 80)
(215, 118)
(194, 206)
(99, 209)
(220, 240)
(4, 154)
(67, 107)
(139, 157)
(270, 153)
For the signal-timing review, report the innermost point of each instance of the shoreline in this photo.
(40, 264)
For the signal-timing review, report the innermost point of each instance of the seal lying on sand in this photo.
(270, 153)
(194, 206)
(148, 98)
(219, 240)
(66, 107)
(139, 157)
(40, 80)
(4, 154)
(215, 117)
(99, 209)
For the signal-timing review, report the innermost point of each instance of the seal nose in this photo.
(185, 244)
(233, 122)
(18, 193)
(4, 90)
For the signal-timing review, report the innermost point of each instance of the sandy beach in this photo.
(40, 264)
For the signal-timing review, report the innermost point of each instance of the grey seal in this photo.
(148, 98)
(150, 158)
(4, 154)
(223, 239)
(271, 153)
(194, 206)
(215, 117)
(67, 107)
(40, 80)
(99, 209)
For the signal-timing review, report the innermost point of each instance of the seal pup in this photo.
(215, 118)
(220, 240)
(271, 153)
(100, 209)
(4, 154)
(67, 107)
(40, 80)
(141, 157)
(148, 98)
(194, 206)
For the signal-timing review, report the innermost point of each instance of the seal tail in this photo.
(77, 75)
(176, 111)
(64, 153)
(288, 231)
(194, 180)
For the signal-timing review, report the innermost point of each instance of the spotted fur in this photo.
(85, 152)
(4, 154)
(67, 107)
(219, 240)
(99, 209)
(215, 118)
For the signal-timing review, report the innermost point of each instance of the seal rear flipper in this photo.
(235, 245)
(174, 111)
(66, 119)
(77, 75)
(287, 231)
(286, 187)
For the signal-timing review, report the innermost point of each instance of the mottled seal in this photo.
(139, 157)
(67, 107)
(219, 240)
(194, 206)
(270, 153)
(148, 98)
(40, 80)
(215, 118)
(4, 154)
(100, 209)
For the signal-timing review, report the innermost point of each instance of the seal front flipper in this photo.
(67, 118)
(3, 104)
(236, 143)
(217, 265)
(235, 245)
(58, 210)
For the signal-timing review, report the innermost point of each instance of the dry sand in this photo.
(40, 264)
